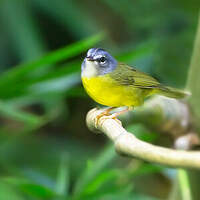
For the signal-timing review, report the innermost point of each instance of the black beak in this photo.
(89, 58)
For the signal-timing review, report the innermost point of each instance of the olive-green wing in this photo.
(127, 75)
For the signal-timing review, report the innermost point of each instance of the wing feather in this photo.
(134, 77)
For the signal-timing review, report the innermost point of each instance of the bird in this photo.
(116, 84)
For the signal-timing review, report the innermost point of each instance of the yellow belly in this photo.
(107, 92)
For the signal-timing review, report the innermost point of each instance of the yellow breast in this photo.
(107, 92)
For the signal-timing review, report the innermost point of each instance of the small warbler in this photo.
(115, 84)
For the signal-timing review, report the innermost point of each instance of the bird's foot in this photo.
(103, 114)
(104, 117)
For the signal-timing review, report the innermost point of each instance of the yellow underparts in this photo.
(104, 90)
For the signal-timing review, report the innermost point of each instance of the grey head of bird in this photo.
(97, 62)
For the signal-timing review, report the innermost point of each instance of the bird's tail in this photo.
(172, 92)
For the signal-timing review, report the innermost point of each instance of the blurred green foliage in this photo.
(46, 152)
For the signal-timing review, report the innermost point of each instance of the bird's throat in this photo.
(89, 70)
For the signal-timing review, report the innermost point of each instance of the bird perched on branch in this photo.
(115, 84)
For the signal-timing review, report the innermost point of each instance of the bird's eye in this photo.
(102, 60)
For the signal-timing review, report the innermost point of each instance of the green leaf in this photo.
(12, 113)
(184, 183)
(142, 132)
(35, 190)
(138, 53)
(120, 196)
(69, 73)
(98, 182)
(56, 85)
(62, 184)
(29, 188)
(94, 168)
(11, 77)
(68, 14)
(23, 30)
(7, 192)
(147, 168)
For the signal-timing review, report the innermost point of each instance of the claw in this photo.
(106, 115)
(115, 118)
(98, 118)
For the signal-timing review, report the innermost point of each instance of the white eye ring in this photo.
(102, 59)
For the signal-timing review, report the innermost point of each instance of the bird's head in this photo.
(97, 62)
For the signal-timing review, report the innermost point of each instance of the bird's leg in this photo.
(112, 116)
(104, 113)
(115, 115)
(107, 111)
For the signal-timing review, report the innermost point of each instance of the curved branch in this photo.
(126, 143)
